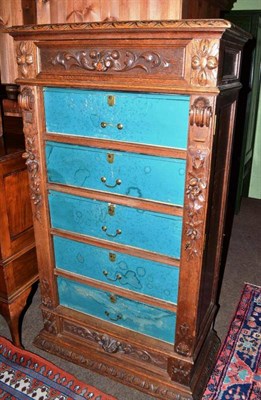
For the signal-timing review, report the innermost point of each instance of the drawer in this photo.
(130, 314)
(136, 175)
(115, 268)
(155, 119)
(152, 231)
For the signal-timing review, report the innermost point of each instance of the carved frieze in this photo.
(114, 60)
(112, 345)
(24, 58)
(204, 62)
(26, 102)
(110, 371)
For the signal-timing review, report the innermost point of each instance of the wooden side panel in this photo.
(216, 229)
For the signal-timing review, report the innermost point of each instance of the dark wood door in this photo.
(248, 104)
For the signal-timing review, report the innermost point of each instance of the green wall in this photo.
(255, 180)
(247, 5)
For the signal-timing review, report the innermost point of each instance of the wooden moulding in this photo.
(185, 58)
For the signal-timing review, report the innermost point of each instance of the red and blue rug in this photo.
(24, 375)
(237, 373)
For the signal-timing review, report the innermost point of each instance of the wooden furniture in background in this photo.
(129, 252)
(18, 265)
(249, 101)
(62, 11)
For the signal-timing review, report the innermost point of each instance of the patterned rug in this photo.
(237, 373)
(24, 375)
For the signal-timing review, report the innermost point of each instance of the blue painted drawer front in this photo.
(134, 273)
(130, 314)
(155, 119)
(149, 177)
(156, 232)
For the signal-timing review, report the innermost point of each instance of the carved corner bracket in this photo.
(196, 199)
(26, 100)
(200, 113)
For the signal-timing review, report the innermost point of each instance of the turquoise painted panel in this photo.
(153, 231)
(133, 273)
(130, 314)
(143, 176)
(156, 119)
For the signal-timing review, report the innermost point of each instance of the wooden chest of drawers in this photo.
(129, 131)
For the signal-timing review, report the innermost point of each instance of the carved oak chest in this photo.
(129, 129)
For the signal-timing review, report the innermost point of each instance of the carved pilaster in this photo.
(26, 100)
(193, 236)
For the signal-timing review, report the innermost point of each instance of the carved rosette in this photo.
(26, 101)
(110, 60)
(204, 62)
(112, 345)
(179, 371)
(25, 59)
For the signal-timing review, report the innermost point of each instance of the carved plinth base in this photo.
(158, 385)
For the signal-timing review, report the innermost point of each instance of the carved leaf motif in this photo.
(24, 57)
(111, 345)
(115, 60)
(187, 24)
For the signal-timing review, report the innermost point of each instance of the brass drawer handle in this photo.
(118, 232)
(117, 277)
(118, 316)
(117, 182)
(105, 124)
